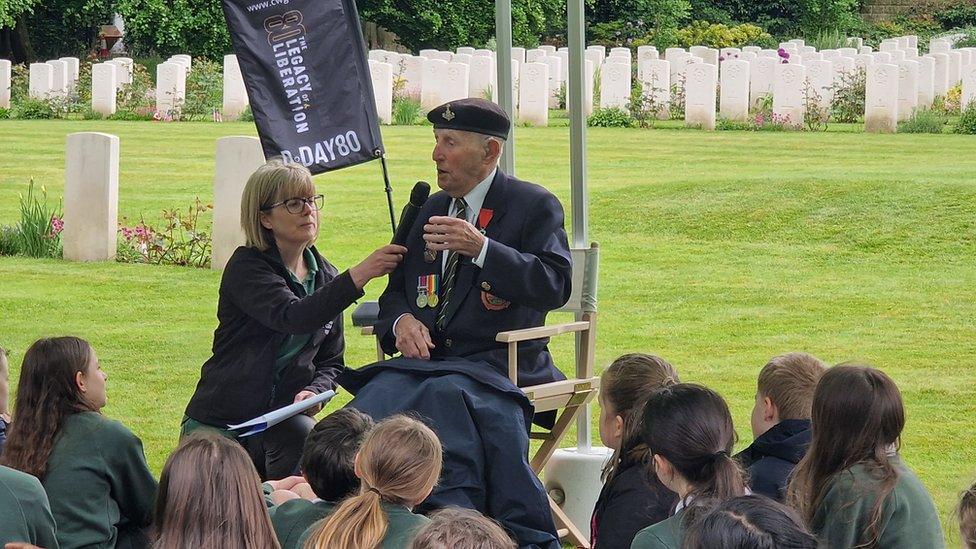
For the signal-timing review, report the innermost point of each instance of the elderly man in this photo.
(487, 254)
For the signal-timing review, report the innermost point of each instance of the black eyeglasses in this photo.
(297, 205)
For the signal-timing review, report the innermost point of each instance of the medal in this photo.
(433, 287)
(484, 218)
(429, 255)
(422, 291)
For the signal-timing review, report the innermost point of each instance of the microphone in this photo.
(409, 214)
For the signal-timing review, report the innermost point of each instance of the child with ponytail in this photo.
(632, 498)
(852, 488)
(688, 432)
(398, 465)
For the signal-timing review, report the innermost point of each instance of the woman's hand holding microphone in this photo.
(380, 262)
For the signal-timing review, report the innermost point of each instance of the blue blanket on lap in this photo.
(482, 420)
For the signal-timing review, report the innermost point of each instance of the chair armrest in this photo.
(527, 334)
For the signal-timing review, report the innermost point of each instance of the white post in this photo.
(91, 197)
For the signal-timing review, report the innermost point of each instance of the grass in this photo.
(719, 250)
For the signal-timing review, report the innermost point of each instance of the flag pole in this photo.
(389, 190)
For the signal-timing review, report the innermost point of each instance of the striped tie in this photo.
(450, 271)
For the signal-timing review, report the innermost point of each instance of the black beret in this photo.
(471, 115)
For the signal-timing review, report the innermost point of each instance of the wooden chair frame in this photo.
(567, 397)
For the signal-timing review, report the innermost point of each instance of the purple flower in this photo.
(783, 53)
(721, 58)
(57, 225)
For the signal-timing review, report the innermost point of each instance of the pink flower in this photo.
(57, 225)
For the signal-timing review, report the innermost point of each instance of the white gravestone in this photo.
(888, 44)
(761, 74)
(656, 83)
(939, 45)
(645, 53)
(550, 50)
(184, 60)
(535, 55)
(829, 55)
(941, 74)
(865, 50)
(882, 57)
(595, 57)
(170, 88)
(59, 77)
(555, 79)
(91, 197)
(734, 96)
(843, 66)
(5, 77)
(907, 88)
(454, 82)
(41, 80)
(926, 81)
(820, 79)
(104, 87)
(968, 85)
(728, 54)
(847, 52)
(911, 53)
(788, 101)
(615, 84)
(237, 158)
(749, 56)
(483, 51)
(700, 87)
(863, 60)
(428, 53)
(444, 56)
(125, 70)
(375, 55)
(518, 54)
(599, 48)
(534, 94)
(881, 99)
(412, 75)
(798, 41)
(430, 83)
(465, 50)
(769, 53)
(73, 65)
(708, 55)
(896, 56)
(620, 52)
(671, 53)
(955, 67)
(381, 76)
(482, 81)
(235, 94)
(564, 63)
(753, 49)
(588, 75)
(463, 58)
(912, 41)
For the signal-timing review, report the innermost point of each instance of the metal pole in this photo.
(577, 166)
(503, 65)
(389, 190)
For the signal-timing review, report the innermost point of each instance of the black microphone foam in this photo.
(409, 214)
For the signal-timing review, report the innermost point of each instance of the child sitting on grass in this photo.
(632, 498)
(328, 466)
(852, 488)
(780, 422)
(397, 465)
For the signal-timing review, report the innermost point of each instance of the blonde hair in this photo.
(789, 381)
(455, 528)
(625, 385)
(276, 180)
(399, 462)
(967, 518)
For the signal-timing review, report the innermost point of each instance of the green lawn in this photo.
(719, 250)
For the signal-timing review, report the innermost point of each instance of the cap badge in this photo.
(448, 115)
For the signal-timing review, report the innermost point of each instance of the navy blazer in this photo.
(527, 273)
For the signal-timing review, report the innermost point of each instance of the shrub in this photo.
(923, 121)
(34, 109)
(848, 103)
(733, 125)
(967, 120)
(815, 112)
(247, 115)
(4, 113)
(950, 102)
(677, 104)
(9, 240)
(179, 240)
(611, 117)
(39, 230)
(957, 16)
(968, 39)
(817, 16)
(644, 108)
(778, 17)
(204, 90)
(406, 111)
(703, 33)
(139, 97)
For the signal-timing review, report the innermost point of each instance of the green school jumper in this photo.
(101, 489)
(908, 516)
(666, 534)
(402, 527)
(293, 517)
(26, 514)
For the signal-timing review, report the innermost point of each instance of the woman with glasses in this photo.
(279, 334)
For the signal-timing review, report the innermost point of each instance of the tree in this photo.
(167, 27)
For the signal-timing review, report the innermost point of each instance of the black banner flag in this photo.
(307, 78)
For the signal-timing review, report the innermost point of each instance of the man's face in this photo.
(462, 160)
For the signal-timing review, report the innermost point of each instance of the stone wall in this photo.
(884, 10)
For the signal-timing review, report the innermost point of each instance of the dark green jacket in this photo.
(25, 514)
(666, 534)
(101, 489)
(908, 515)
(292, 518)
(402, 527)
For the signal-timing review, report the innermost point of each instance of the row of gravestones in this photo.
(58, 78)
(91, 195)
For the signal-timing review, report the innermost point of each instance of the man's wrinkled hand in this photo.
(452, 233)
(413, 338)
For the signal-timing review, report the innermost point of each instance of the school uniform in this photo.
(667, 534)
(293, 517)
(99, 485)
(908, 515)
(25, 514)
(402, 526)
(771, 458)
(630, 501)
